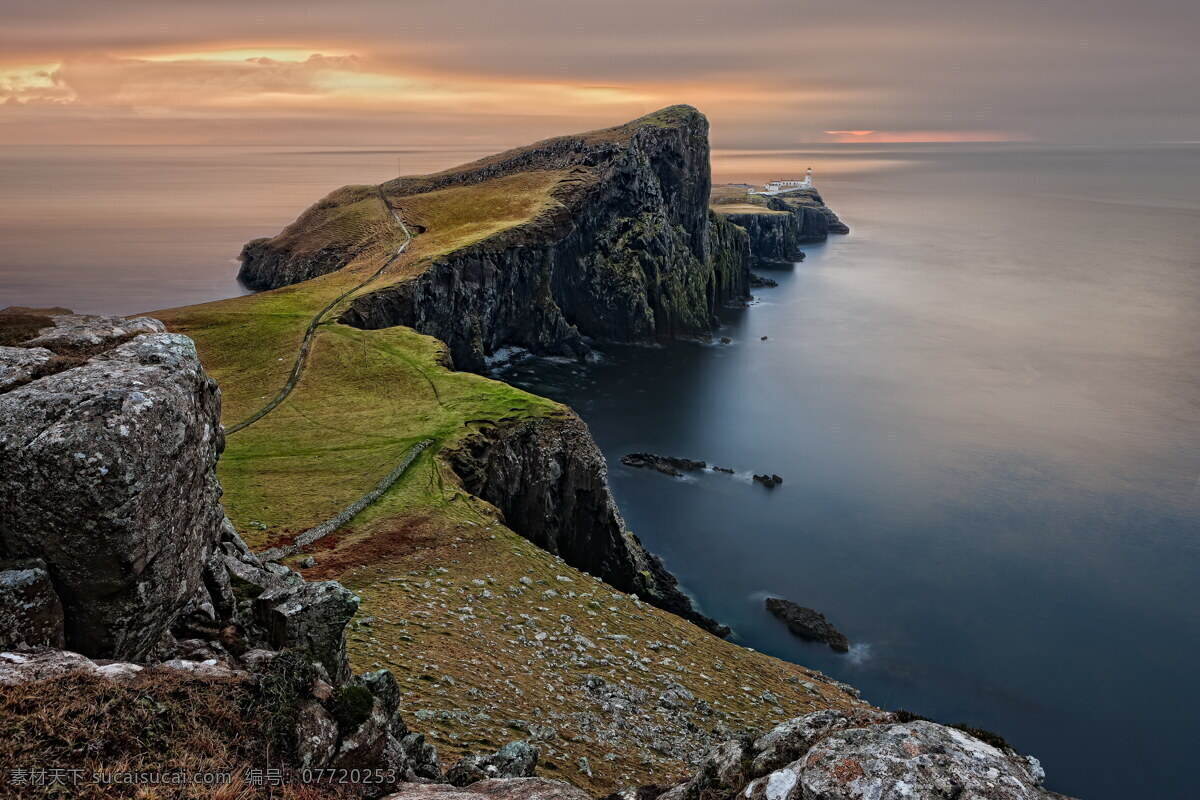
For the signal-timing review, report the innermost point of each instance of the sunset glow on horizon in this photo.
(374, 72)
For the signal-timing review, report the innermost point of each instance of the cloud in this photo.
(768, 72)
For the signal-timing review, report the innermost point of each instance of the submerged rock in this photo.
(806, 623)
(668, 465)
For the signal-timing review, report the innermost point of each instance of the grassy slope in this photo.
(365, 397)
(734, 200)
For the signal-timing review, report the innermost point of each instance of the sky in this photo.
(768, 73)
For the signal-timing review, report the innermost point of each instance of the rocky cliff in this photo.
(773, 236)
(815, 219)
(777, 224)
(624, 248)
(549, 479)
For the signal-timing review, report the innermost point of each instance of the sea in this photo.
(984, 403)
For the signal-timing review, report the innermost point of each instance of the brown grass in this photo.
(17, 328)
(161, 721)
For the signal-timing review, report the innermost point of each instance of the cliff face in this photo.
(815, 219)
(550, 481)
(625, 249)
(773, 237)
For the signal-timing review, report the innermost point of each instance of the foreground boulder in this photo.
(106, 470)
(829, 755)
(807, 624)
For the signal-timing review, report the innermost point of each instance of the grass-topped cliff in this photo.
(493, 638)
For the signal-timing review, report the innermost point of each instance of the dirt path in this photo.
(346, 514)
(302, 355)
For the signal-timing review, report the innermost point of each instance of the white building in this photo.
(775, 187)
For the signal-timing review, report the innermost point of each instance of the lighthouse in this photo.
(775, 187)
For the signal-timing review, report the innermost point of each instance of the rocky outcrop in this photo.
(626, 251)
(513, 760)
(106, 470)
(550, 481)
(829, 755)
(498, 789)
(815, 219)
(808, 624)
(31, 615)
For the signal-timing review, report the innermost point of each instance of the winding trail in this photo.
(349, 512)
(302, 356)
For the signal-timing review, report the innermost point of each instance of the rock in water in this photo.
(807, 623)
(106, 471)
(668, 465)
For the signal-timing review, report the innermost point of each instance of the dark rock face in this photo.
(31, 616)
(774, 238)
(668, 465)
(550, 481)
(106, 471)
(806, 623)
(829, 755)
(816, 220)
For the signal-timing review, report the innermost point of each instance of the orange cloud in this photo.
(917, 137)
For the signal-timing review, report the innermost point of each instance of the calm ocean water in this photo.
(985, 404)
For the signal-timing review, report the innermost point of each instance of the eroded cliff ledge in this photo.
(549, 479)
(620, 245)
